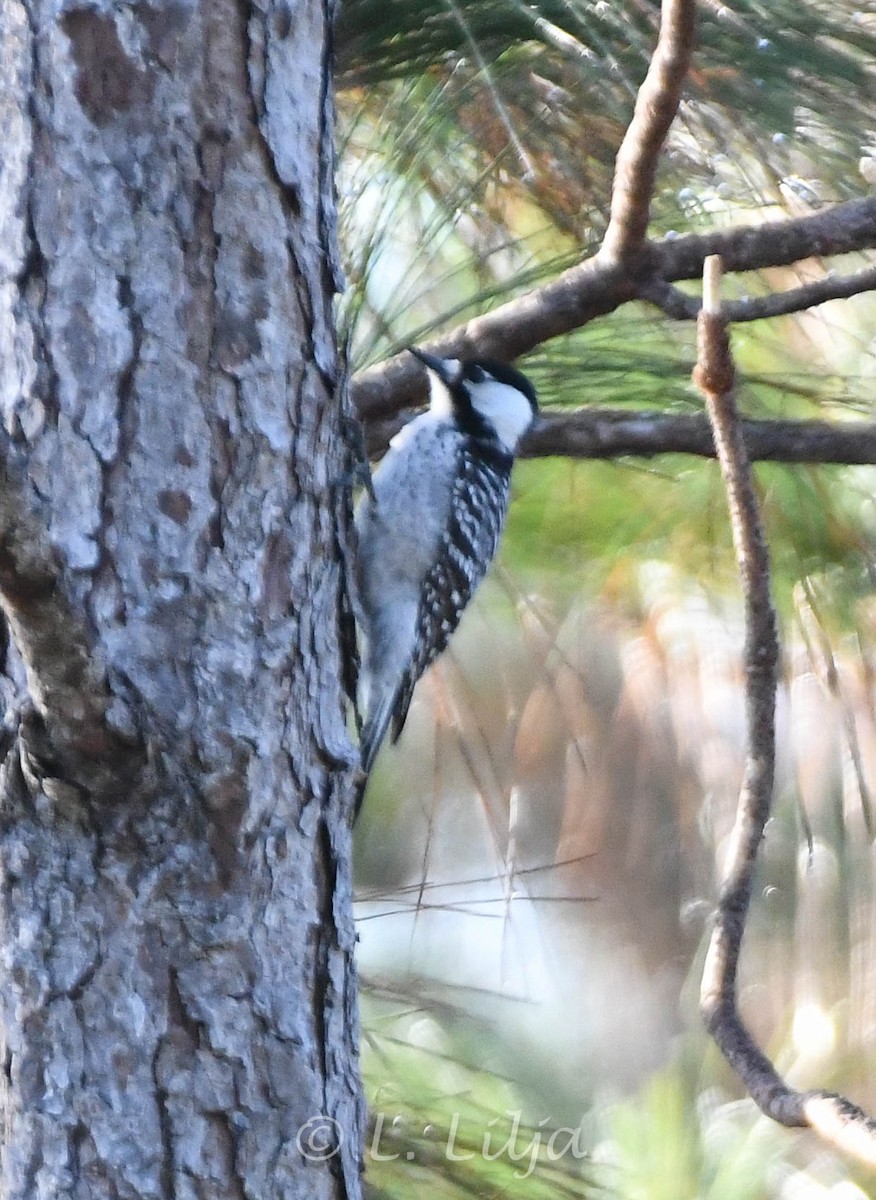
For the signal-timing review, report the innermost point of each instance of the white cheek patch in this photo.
(508, 410)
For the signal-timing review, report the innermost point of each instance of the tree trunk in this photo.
(177, 989)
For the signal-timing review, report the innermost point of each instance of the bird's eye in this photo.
(475, 373)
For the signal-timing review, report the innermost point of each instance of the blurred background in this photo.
(537, 859)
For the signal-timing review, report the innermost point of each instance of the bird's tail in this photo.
(374, 730)
(373, 733)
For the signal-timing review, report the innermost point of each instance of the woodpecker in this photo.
(429, 530)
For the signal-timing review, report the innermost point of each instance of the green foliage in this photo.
(440, 1121)
(478, 139)
(440, 1124)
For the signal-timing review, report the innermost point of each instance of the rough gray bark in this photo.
(177, 990)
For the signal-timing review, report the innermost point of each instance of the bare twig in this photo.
(833, 1117)
(656, 105)
(596, 287)
(612, 432)
(608, 433)
(714, 376)
(69, 737)
(678, 304)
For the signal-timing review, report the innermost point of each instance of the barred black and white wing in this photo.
(477, 514)
(431, 528)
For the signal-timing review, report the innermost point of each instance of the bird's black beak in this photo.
(447, 369)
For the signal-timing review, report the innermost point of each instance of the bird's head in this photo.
(487, 398)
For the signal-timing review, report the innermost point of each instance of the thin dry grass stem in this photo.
(494, 794)
(836, 1119)
(461, 713)
(437, 788)
(657, 103)
(828, 675)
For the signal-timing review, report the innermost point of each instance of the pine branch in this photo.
(610, 433)
(589, 433)
(594, 288)
(678, 304)
(657, 103)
